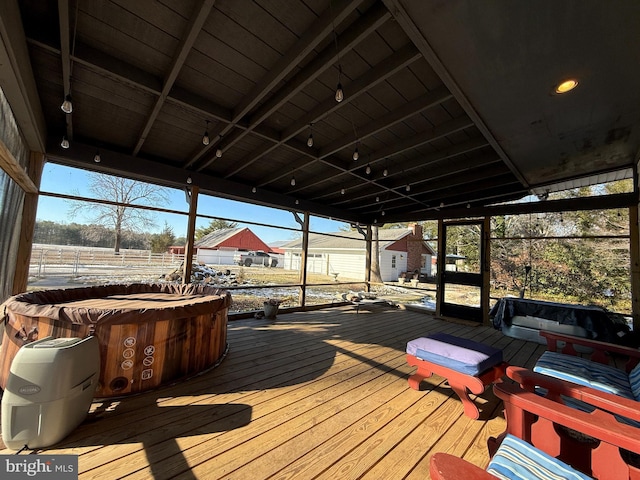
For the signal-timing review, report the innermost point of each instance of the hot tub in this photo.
(149, 334)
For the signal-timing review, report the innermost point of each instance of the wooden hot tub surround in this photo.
(149, 334)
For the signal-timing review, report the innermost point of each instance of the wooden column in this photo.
(27, 226)
(486, 270)
(303, 260)
(442, 256)
(191, 230)
(369, 253)
(634, 250)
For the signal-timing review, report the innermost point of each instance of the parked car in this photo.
(259, 258)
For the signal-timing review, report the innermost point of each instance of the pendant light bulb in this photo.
(356, 154)
(377, 199)
(64, 143)
(310, 140)
(382, 213)
(67, 106)
(205, 138)
(342, 191)
(368, 170)
(339, 93)
(189, 180)
(96, 157)
(293, 181)
(219, 153)
(385, 172)
(254, 190)
(408, 188)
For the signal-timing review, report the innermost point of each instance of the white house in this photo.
(344, 253)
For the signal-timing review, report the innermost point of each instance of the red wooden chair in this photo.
(594, 443)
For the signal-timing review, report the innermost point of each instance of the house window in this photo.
(393, 261)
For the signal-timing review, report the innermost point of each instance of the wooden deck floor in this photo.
(319, 394)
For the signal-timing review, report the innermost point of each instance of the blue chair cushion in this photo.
(634, 381)
(585, 372)
(516, 459)
(459, 354)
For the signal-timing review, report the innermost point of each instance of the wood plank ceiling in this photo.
(434, 128)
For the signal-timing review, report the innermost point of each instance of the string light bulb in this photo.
(64, 143)
(356, 154)
(219, 153)
(339, 92)
(408, 188)
(368, 169)
(293, 181)
(254, 190)
(96, 157)
(342, 191)
(67, 106)
(189, 180)
(385, 172)
(310, 138)
(205, 138)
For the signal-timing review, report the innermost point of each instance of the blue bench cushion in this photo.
(585, 372)
(459, 354)
(516, 459)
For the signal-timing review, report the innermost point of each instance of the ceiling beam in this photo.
(188, 39)
(391, 65)
(16, 77)
(401, 146)
(116, 163)
(65, 57)
(375, 17)
(413, 32)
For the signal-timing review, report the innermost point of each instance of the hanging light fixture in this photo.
(368, 169)
(377, 199)
(382, 213)
(293, 181)
(254, 190)
(408, 188)
(385, 172)
(96, 157)
(219, 150)
(310, 138)
(67, 106)
(342, 191)
(356, 154)
(339, 92)
(64, 143)
(205, 138)
(189, 180)
(297, 201)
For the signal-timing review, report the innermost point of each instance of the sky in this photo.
(73, 181)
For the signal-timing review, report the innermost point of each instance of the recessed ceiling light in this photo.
(566, 86)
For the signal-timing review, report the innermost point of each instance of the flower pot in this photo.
(270, 310)
(401, 280)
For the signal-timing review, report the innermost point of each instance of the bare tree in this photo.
(120, 215)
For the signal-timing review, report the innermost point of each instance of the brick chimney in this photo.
(414, 248)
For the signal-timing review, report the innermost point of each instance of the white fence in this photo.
(59, 260)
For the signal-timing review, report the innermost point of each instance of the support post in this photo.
(442, 255)
(27, 227)
(634, 251)
(191, 230)
(303, 260)
(486, 270)
(369, 253)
